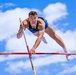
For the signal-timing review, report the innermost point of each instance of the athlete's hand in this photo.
(21, 27)
(32, 51)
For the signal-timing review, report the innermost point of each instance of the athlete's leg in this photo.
(43, 38)
(54, 36)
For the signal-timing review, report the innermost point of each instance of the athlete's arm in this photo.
(38, 40)
(40, 34)
(20, 31)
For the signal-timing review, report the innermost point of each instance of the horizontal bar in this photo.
(37, 53)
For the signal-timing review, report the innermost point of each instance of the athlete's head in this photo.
(33, 17)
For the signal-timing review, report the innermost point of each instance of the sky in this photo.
(61, 14)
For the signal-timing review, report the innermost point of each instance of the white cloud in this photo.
(69, 38)
(68, 70)
(54, 12)
(9, 22)
(17, 67)
(11, 57)
(65, 24)
(14, 67)
(6, 5)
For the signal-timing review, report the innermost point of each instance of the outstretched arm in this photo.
(20, 32)
(22, 26)
(38, 40)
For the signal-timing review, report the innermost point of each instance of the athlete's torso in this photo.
(36, 29)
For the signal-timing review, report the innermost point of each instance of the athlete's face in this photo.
(33, 19)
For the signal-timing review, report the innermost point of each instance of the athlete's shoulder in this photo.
(25, 21)
(40, 20)
(41, 23)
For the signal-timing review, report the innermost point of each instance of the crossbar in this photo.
(37, 53)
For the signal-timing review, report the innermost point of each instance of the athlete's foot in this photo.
(67, 55)
(44, 40)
